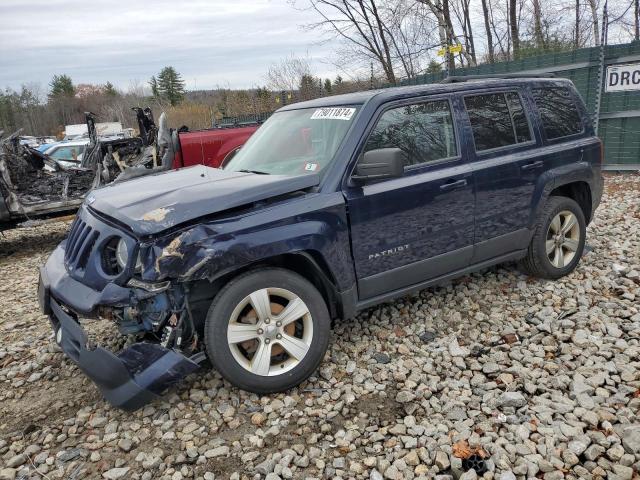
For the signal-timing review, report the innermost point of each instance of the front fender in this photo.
(207, 250)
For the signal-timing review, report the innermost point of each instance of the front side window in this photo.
(424, 131)
(558, 112)
(295, 142)
(497, 120)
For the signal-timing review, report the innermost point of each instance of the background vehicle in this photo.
(67, 154)
(212, 147)
(38, 185)
(332, 206)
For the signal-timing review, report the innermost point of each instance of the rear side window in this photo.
(497, 120)
(558, 112)
(424, 131)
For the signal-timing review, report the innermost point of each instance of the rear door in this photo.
(507, 163)
(420, 226)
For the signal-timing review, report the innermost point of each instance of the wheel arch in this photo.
(573, 181)
(308, 264)
(580, 192)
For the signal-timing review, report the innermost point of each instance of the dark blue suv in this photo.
(334, 205)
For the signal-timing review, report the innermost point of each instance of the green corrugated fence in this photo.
(619, 119)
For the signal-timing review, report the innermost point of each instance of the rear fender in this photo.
(557, 177)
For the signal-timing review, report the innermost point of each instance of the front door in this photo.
(420, 226)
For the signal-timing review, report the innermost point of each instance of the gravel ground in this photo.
(537, 378)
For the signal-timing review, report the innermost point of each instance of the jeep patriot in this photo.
(332, 206)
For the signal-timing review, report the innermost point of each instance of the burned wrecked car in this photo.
(35, 185)
(332, 206)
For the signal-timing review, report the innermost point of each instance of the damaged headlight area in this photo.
(115, 257)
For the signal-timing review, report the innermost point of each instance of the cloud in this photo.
(210, 42)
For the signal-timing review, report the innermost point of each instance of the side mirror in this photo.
(379, 164)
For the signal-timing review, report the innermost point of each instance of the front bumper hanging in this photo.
(128, 380)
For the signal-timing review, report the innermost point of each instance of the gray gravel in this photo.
(542, 378)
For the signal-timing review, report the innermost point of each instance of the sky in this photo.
(211, 43)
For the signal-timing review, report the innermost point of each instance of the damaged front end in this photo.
(83, 281)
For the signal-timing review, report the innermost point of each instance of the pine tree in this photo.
(327, 85)
(110, 90)
(61, 86)
(171, 85)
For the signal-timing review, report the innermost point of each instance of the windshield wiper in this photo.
(253, 171)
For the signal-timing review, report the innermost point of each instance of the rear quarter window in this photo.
(558, 112)
(497, 120)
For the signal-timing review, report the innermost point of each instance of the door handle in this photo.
(533, 166)
(453, 185)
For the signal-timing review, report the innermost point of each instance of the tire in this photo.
(543, 259)
(240, 336)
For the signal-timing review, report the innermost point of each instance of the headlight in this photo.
(122, 254)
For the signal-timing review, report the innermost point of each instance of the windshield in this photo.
(295, 142)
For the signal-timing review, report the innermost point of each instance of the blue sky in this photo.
(210, 42)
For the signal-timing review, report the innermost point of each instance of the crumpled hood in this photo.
(154, 203)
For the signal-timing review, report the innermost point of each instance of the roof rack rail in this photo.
(464, 78)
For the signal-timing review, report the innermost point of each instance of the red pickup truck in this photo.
(211, 147)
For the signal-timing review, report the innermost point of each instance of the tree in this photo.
(308, 87)
(61, 86)
(170, 85)
(537, 25)
(359, 23)
(153, 83)
(110, 90)
(287, 74)
(327, 86)
(487, 29)
(434, 67)
(88, 90)
(594, 19)
(636, 20)
(513, 21)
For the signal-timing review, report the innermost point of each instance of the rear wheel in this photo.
(267, 330)
(558, 240)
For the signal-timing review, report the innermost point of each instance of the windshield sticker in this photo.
(333, 113)
(311, 167)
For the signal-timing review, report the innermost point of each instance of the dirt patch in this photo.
(225, 467)
(384, 410)
(41, 408)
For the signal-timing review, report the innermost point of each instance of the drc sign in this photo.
(623, 78)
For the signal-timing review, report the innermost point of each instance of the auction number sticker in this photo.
(333, 113)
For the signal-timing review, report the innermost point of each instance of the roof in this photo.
(386, 94)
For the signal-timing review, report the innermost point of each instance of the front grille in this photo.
(79, 244)
(88, 239)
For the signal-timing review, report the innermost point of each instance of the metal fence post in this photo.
(603, 44)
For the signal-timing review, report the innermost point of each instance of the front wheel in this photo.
(558, 239)
(267, 330)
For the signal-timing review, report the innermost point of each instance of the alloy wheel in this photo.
(270, 331)
(563, 239)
